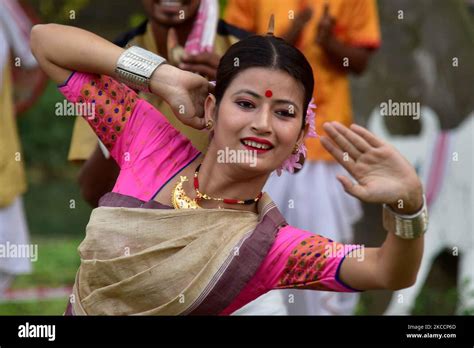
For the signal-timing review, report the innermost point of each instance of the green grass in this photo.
(433, 302)
(48, 307)
(54, 206)
(56, 266)
(430, 301)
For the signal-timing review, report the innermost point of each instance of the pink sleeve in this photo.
(297, 259)
(107, 105)
(148, 149)
(303, 260)
(130, 128)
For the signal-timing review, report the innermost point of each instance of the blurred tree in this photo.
(59, 11)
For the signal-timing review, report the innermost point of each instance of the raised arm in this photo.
(382, 175)
(62, 49)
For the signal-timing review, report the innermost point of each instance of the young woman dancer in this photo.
(184, 233)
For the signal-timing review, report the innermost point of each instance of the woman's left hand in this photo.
(383, 175)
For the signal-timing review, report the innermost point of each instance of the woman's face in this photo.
(260, 115)
(171, 12)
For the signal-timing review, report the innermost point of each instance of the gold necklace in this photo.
(179, 198)
(201, 195)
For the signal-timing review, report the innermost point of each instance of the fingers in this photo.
(355, 139)
(341, 141)
(305, 15)
(199, 123)
(368, 136)
(206, 58)
(211, 87)
(172, 39)
(352, 188)
(195, 117)
(325, 25)
(206, 70)
(196, 121)
(346, 161)
(205, 63)
(189, 112)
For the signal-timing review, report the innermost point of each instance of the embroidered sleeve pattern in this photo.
(113, 104)
(314, 264)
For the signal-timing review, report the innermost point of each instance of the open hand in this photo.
(383, 175)
(184, 91)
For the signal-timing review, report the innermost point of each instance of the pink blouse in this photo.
(150, 152)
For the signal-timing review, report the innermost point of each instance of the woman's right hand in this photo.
(184, 91)
(61, 49)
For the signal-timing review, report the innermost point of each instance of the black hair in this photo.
(266, 52)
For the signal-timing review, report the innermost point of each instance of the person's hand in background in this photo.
(205, 64)
(325, 26)
(344, 56)
(297, 26)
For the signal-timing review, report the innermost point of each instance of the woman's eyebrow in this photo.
(256, 95)
(248, 91)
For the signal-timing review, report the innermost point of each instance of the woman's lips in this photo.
(258, 150)
(255, 149)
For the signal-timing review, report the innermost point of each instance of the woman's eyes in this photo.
(245, 104)
(285, 113)
(248, 105)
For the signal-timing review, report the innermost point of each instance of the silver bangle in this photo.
(135, 67)
(406, 226)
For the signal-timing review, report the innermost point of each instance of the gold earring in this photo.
(295, 149)
(209, 124)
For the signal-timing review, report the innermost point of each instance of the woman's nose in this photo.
(262, 122)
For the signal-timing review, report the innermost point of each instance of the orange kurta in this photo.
(356, 25)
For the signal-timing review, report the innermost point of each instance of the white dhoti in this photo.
(271, 303)
(13, 232)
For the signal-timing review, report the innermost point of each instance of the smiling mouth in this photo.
(171, 6)
(172, 3)
(253, 145)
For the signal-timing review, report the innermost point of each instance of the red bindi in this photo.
(268, 93)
